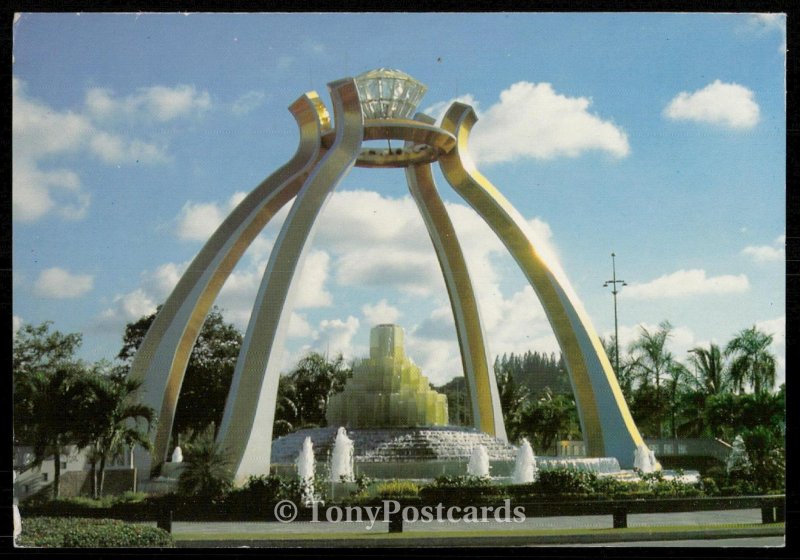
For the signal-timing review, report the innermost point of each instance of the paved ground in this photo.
(745, 542)
(578, 522)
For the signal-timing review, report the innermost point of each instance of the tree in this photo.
(46, 405)
(111, 419)
(38, 349)
(46, 392)
(512, 399)
(208, 373)
(709, 369)
(653, 362)
(549, 419)
(208, 471)
(315, 379)
(709, 378)
(752, 362)
(286, 411)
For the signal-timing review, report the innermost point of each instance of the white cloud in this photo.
(680, 341)
(311, 290)
(153, 290)
(767, 253)
(16, 324)
(438, 109)
(58, 283)
(40, 132)
(126, 308)
(380, 313)
(161, 103)
(299, 326)
(685, 283)
(534, 121)
(770, 22)
(365, 241)
(334, 336)
(248, 102)
(198, 220)
(729, 105)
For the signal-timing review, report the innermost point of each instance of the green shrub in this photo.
(460, 481)
(566, 481)
(398, 489)
(464, 489)
(710, 486)
(72, 532)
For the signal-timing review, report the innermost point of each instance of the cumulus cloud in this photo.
(680, 341)
(534, 121)
(728, 105)
(154, 287)
(767, 253)
(198, 220)
(365, 241)
(685, 283)
(126, 308)
(334, 336)
(380, 313)
(57, 283)
(40, 132)
(160, 103)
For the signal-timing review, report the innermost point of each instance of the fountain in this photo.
(342, 458)
(645, 459)
(525, 466)
(479, 462)
(305, 470)
(177, 455)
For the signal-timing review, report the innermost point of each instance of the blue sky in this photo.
(660, 137)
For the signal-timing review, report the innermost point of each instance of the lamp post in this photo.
(613, 282)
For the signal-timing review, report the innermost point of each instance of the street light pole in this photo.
(614, 292)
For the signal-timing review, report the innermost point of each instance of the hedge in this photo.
(76, 532)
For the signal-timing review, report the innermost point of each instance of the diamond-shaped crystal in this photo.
(389, 94)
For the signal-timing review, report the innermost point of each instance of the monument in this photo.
(376, 105)
(387, 389)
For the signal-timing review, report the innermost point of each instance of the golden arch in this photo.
(324, 157)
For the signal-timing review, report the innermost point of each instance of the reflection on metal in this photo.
(606, 422)
(481, 385)
(365, 110)
(246, 429)
(161, 359)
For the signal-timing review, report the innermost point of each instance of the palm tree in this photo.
(709, 368)
(45, 403)
(752, 362)
(652, 362)
(208, 468)
(112, 417)
(709, 379)
(653, 359)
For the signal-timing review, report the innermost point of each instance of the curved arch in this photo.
(246, 429)
(161, 359)
(487, 413)
(607, 425)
